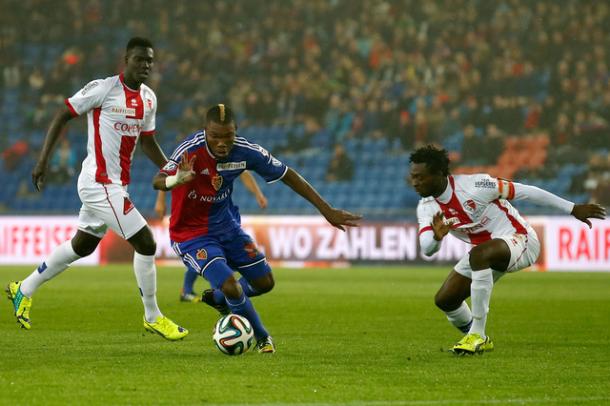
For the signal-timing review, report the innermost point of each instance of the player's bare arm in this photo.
(337, 217)
(584, 212)
(153, 151)
(183, 175)
(55, 129)
(250, 183)
(439, 226)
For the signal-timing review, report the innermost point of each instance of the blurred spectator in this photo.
(340, 167)
(14, 154)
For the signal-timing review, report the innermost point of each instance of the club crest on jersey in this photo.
(470, 205)
(251, 249)
(217, 182)
(202, 254)
(127, 205)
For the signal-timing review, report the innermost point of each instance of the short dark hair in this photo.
(436, 159)
(138, 42)
(220, 114)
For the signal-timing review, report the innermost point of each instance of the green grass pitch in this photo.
(369, 336)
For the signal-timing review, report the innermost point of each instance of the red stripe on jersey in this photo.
(133, 100)
(454, 208)
(147, 133)
(423, 230)
(74, 113)
(190, 216)
(519, 228)
(101, 176)
(128, 144)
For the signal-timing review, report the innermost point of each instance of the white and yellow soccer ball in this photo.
(233, 334)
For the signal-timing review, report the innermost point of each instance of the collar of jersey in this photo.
(445, 197)
(122, 78)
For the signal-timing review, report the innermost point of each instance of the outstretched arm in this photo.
(152, 150)
(582, 212)
(337, 217)
(252, 186)
(57, 125)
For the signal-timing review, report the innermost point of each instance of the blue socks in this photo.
(189, 281)
(243, 306)
(219, 297)
(247, 288)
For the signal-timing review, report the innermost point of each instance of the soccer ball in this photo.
(233, 334)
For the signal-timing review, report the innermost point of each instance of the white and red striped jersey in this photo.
(116, 117)
(478, 207)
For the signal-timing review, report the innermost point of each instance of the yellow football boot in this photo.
(473, 343)
(166, 329)
(265, 345)
(21, 304)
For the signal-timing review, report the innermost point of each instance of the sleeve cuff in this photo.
(74, 113)
(147, 133)
(275, 180)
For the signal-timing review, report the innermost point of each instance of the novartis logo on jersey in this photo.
(209, 199)
(128, 128)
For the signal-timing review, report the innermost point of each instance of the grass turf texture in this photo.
(344, 336)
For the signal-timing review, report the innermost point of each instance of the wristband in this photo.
(171, 181)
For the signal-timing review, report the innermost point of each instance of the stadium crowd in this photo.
(467, 74)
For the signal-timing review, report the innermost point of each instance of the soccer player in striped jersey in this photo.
(120, 112)
(205, 227)
(476, 209)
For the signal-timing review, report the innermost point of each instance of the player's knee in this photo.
(144, 242)
(83, 248)
(231, 288)
(480, 257)
(443, 302)
(266, 284)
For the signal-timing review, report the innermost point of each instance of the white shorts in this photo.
(108, 206)
(524, 251)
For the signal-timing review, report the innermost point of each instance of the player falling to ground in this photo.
(120, 110)
(205, 226)
(187, 293)
(475, 209)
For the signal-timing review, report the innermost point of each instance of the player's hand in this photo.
(261, 200)
(584, 212)
(340, 218)
(39, 173)
(439, 226)
(185, 172)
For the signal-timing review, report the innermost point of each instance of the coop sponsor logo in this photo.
(30, 240)
(128, 128)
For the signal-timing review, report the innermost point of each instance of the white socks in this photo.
(460, 317)
(480, 293)
(146, 276)
(61, 258)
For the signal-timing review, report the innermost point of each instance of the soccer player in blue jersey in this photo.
(205, 227)
(187, 293)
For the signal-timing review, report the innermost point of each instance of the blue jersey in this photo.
(203, 207)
